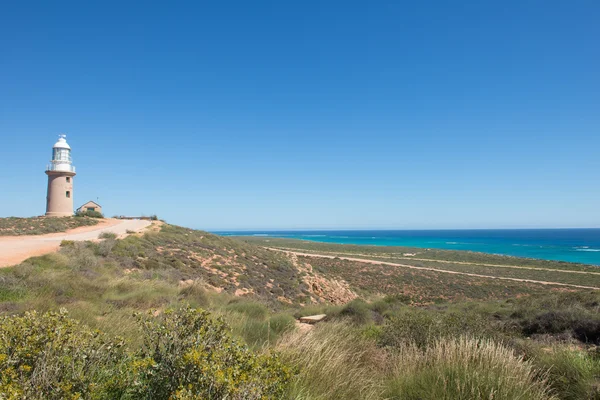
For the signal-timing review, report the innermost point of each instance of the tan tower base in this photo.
(59, 201)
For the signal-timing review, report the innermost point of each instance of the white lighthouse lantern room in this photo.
(60, 171)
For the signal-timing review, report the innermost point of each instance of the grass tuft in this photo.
(465, 368)
(334, 362)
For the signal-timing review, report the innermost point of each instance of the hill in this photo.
(384, 319)
(14, 226)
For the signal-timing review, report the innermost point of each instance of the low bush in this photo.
(195, 294)
(41, 225)
(53, 357)
(189, 355)
(107, 235)
(575, 313)
(581, 325)
(90, 214)
(572, 374)
(186, 354)
(424, 327)
(358, 310)
(81, 257)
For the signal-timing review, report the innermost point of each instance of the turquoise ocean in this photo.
(573, 245)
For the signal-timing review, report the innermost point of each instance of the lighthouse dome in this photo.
(61, 143)
(61, 156)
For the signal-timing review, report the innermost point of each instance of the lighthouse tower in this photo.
(60, 171)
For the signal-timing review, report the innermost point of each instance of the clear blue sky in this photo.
(308, 114)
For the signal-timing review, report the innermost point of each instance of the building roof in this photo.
(86, 203)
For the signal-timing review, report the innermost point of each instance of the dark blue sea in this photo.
(574, 245)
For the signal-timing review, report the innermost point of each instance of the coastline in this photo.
(579, 246)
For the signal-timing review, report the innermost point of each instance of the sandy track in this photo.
(16, 249)
(362, 260)
(567, 271)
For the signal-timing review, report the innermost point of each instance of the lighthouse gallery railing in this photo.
(60, 167)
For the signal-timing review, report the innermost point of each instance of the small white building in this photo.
(90, 206)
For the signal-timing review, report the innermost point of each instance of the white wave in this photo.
(594, 250)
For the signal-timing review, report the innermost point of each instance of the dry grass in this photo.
(465, 368)
(334, 362)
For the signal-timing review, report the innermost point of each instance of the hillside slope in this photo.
(112, 285)
(41, 225)
(116, 271)
(226, 264)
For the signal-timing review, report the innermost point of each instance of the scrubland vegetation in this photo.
(184, 314)
(41, 225)
(90, 214)
(397, 253)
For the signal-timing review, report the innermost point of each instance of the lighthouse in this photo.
(60, 171)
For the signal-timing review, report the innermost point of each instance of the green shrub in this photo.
(357, 310)
(572, 374)
(187, 354)
(583, 326)
(464, 368)
(195, 294)
(423, 327)
(380, 306)
(107, 235)
(105, 247)
(81, 257)
(53, 357)
(575, 313)
(90, 214)
(41, 225)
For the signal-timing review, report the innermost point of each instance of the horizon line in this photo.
(390, 229)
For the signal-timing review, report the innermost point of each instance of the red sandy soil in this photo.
(16, 249)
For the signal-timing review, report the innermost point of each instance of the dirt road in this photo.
(371, 256)
(431, 269)
(16, 249)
